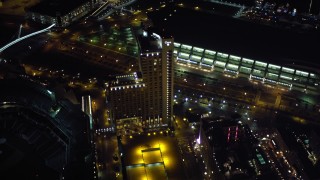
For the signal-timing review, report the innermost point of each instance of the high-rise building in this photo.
(149, 100)
(156, 62)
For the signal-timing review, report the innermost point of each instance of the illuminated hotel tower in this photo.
(146, 100)
(156, 63)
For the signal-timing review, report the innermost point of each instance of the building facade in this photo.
(60, 13)
(148, 100)
(125, 95)
(268, 73)
(157, 73)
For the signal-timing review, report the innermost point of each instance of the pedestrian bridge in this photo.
(25, 37)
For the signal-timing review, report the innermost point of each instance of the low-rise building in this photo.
(61, 13)
(125, 95)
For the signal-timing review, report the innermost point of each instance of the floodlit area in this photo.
(114, 38)
(152, 157)
(151, 171)
(136, 172)
(156, 172)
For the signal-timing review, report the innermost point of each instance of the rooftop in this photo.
(149, 41)
(121, 81)
(231, 141)
(128, 77)
(152, 156)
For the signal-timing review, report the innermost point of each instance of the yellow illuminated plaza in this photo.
(152, 156)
